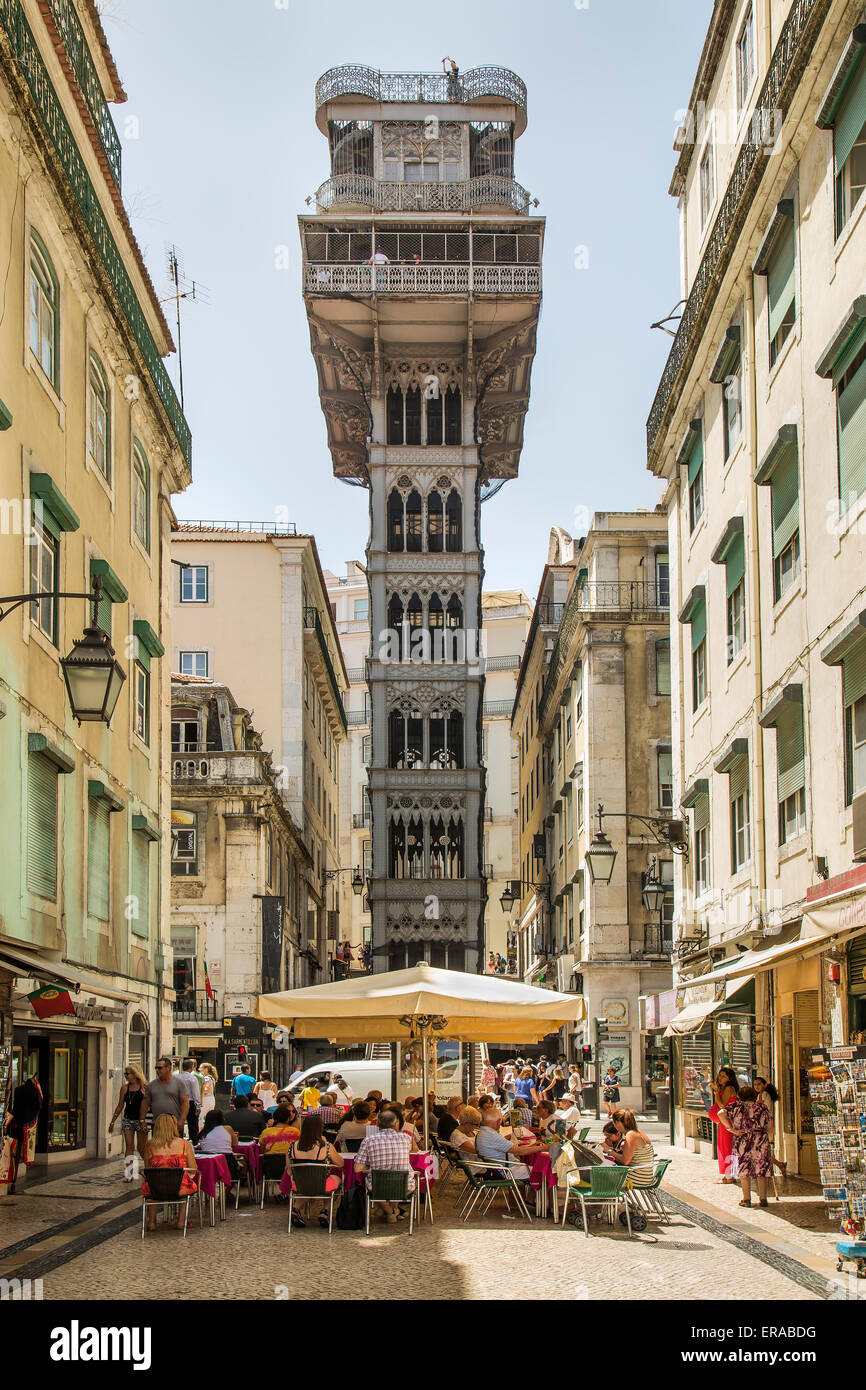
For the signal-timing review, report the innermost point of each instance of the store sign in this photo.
(183, 941)
(97, 1013)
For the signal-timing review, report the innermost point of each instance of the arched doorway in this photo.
(138, 1043)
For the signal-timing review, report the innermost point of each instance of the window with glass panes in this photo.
(663, 579)
(141, 699)
(665, 770)
(785, 513)
(745, 58)
(740, 828)
(193, 664)
(44, 310)
(781, 288)
(44, 542)
(141, 495)
(569, 813)
(849, 146)
(578, 692)
(98, 858)
(791, 772)
(696, 480)
(194, 584)
(99, 417)
(707, 182)
(698, 621)
(702, 844)
(663, 668)
(732, 407)
(362, 609)
(849, 375)
(736, 617)
(854, 703)
(184, 734)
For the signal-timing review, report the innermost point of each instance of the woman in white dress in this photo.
(208, 1090)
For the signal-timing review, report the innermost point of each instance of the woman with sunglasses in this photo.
(132, 1125)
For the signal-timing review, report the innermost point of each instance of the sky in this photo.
(220, 150)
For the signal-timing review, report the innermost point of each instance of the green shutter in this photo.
(852, 438)
(142, 655)
(702, 812)
(98, 860)
(785, 500)
(41, 826)
(696, 458)
(735, 562)
(850, 118)
(140, 921)
(103, 614)
(790, 752)
(780, 278)
(739, 778)
(854, 674)
(699, 624)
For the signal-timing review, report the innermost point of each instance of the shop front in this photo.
(705, 1036)
(656, 1012)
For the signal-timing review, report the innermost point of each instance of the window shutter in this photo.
(739, 778)
(702, 812)
(780, 278)
(735, 562)
(785, 500)
(790, 753)
(41, 826)
(699, 625)
(852, 438)
(142, 655)
(850, 118)
(696, 458)
(98, 860)
(141, 883)
(854, 674)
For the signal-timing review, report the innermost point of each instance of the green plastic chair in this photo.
(389, 1185)
(484, 1178)
(648, 1199)
(583, 1134)
(606, 1189)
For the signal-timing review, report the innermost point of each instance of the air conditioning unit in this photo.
(564, 977)
(859, 806)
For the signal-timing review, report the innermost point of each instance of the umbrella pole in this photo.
(424, 1085)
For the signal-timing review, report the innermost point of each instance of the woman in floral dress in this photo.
(751, 1124)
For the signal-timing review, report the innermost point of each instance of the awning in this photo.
(59, 973)
(824, 924)
(693, 1017)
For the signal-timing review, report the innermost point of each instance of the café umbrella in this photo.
(415, 1005)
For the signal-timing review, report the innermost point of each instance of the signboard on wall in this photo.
(273, 914)
(615, 1012)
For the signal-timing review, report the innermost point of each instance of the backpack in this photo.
(350, 1213)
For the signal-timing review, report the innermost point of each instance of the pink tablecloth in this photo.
(213, 1168)
(541, 1171)
(254, 1157)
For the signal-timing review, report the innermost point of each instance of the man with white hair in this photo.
(386, 1147)
(492, 1145)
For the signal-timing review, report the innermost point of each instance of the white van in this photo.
(364, 1075)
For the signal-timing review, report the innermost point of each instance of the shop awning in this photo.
(58, 973)
(692, 1018)
(824, 924)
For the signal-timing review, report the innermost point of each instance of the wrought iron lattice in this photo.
(70, 30)
(47, 104)
(354, 79)
(421, 279)
(484, 248)
(792, 52)
(383, 195)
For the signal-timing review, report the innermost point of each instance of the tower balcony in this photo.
(458, 278)
(345, 191)
(487, 84)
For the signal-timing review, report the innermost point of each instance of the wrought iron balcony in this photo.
(492, 708)
(357, 716)
(353, 79)
(657, 940)
(380, 195)
(439, 278)
(501, 663)
(790, 57)
(195, 1007)
(78, 53)
(549, 614)
(35, 74)
(627, 596)
(361, 820)
(313, 623)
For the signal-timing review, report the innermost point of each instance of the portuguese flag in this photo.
(207, 984)
(51, 1000)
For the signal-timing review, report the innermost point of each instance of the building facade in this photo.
(592, 723)
(287, 670)
(238, 861)
(757, 430)
(94, 446)
(422, 281)
(506, 617)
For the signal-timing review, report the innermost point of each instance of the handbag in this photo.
(350, 1213)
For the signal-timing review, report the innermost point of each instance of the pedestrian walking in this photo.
(266, 1090)
(132, 1126)
(166, 1095)
(188, 1080)
(610, 1089)
(750, 1124)
(21, 1124)
(208, 1091)
(242, 1082)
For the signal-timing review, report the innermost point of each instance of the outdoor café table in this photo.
(214, 1175)
(250, 1148)
(541, 1179)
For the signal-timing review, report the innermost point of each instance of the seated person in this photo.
(246, 1122)
(310, 1096)
(313, 1147)
(544, 1119)
(165, 1149)
(566, 1117)
(462, 1138)
(485, 1102)
(356, 1125)
(330, 1112)
(217, 1137)
(450, 1120)
(386, 1147)
(612, 1142)
(404, 1126)
(492, 1145)
(283, 1130)
(521, 1115)
(636, 1151)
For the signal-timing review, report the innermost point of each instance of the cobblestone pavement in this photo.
(80, 1234)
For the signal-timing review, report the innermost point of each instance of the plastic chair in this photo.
(607, 1189)
(273, 1167)
(648, 1199)
(310, 1180)
(164, 1184)
(484, 1177)
(352, 1145)
(583, 1134)
(445, 1155)
(389, 1185)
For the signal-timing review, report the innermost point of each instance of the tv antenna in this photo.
(182, 288)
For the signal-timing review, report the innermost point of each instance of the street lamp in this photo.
(653, 891)
(329, 875)
(357, 883)
(600, 856)
(93, 675)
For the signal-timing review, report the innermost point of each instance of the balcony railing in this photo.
(493, 708)
(323, 278)
(353, 79)
(790, 57)
(357, 675)
(47, 104)
(357, 717)
(313, 623)
(196, 1008)
(502, 663)
(259, 528)
(657, 941)
(382, 195)
(72, 34)
(626, 596)
(550, 614)
(361, 820)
